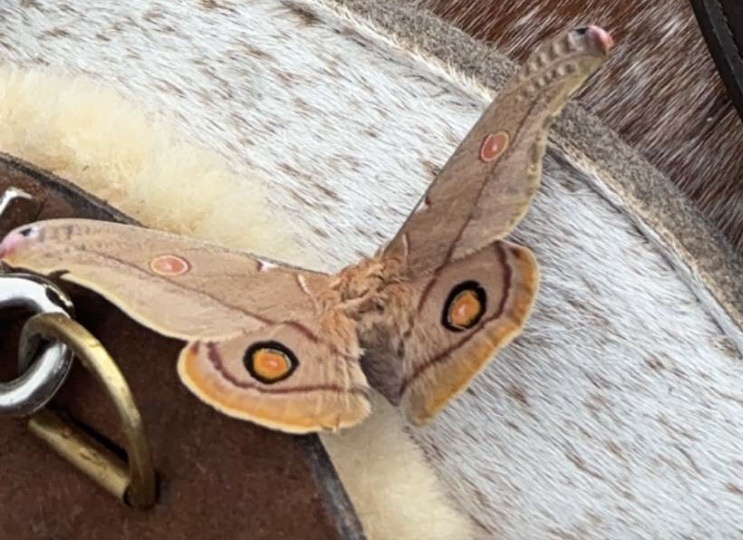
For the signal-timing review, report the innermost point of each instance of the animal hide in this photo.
(618, 413)
(660, 90)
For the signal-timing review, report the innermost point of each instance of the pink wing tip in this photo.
(10, 243)
(600, 37)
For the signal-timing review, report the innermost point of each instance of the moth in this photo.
(297, 350)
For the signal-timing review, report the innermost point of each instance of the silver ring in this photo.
(43, 368)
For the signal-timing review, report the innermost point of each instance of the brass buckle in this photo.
(134, 482)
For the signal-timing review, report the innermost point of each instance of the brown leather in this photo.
(219, 478)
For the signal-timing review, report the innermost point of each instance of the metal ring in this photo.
(44, 369)
(138, 487)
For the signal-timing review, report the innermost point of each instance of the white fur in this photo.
(618, 414)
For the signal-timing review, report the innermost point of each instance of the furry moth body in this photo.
(296, 350)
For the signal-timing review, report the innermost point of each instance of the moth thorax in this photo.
(361, 281)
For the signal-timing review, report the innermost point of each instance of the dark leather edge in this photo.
(345, 520)
(335, 498)
(721, 23)
(93, 207)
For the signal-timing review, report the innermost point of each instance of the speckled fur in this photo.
(617, 414)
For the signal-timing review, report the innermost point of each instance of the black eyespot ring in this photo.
(456, 294)
(251, 361)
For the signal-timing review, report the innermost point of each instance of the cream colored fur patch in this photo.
(84, 131)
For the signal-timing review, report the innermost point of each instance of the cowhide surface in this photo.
(617, 414)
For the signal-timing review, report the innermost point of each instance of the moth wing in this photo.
(463, 315)
(487, 185)
(288, 377)
(180, 287)
(260, 347)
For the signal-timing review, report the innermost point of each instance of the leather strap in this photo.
(721, 22)
(219, 478)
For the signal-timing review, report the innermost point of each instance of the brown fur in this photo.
(660, 90)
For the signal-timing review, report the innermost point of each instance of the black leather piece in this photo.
(721, 22)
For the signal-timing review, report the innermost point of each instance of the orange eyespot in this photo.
(494, 145)
(464, 307)
(269, 362)
(169, 265)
